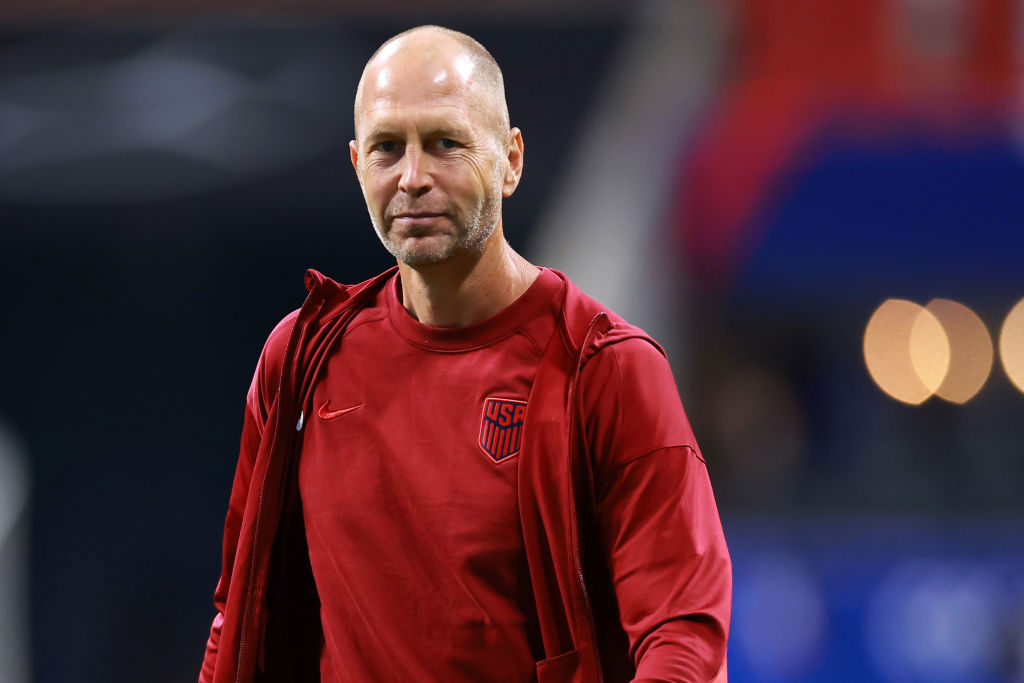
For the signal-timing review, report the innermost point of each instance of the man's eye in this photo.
(386, 146)
(448, 143)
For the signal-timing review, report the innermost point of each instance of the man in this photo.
(463, 469)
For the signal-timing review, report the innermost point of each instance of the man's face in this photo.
(428, 158)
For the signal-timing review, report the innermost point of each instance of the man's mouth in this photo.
(416, 223)
(418, 215)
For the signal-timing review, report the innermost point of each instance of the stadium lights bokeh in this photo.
(913, 352)
(1011, 345)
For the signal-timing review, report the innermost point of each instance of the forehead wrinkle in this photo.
(391, 118)
(455, 106)
(410, 93)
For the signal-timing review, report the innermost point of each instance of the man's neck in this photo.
(466, 288)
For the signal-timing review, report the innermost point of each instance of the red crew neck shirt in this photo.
(408, 478)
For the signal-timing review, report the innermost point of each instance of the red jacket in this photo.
(677, 613)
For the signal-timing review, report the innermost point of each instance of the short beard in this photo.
(478, 227)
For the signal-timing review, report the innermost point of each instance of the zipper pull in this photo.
(302, 420)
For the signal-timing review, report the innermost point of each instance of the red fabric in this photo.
(413, 531)
(657, 518)
(629, 474)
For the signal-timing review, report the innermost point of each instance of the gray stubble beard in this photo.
(478, 228)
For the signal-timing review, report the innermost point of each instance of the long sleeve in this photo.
(257, 408)
(248, 447)
(657, 518)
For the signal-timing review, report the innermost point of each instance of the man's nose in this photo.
(416, 178)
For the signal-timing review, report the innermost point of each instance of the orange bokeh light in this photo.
(906, 351)
(970, 348)
(1011, 345)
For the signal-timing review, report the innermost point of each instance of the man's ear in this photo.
(353, 154)
(514, 172)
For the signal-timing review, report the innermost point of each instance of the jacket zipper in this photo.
(259, 507)
(292, 339)
(577, 546)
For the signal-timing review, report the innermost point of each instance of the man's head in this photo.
(433, 150)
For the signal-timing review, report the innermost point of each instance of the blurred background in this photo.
(818, 207)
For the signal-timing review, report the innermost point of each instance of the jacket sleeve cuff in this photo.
(682, 650)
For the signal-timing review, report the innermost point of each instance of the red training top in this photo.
(408, 482)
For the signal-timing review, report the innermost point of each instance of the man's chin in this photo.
(421, 251)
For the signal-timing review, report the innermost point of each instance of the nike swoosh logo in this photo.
(331, 414)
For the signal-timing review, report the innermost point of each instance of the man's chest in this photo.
(401, 436)
(408, 475)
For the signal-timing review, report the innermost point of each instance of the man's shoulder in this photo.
(584, 315)
(316, 281)
(579, 302)
(326, 300)
(278, 336)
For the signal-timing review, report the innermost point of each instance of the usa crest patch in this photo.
(501, 427)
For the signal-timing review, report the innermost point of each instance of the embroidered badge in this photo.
(501, 427)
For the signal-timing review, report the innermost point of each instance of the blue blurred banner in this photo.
(861, 598)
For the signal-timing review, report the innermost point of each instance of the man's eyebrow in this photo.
(441, 130)
(378, 134)
(447, 131)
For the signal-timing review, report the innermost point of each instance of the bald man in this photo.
(464, 469)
